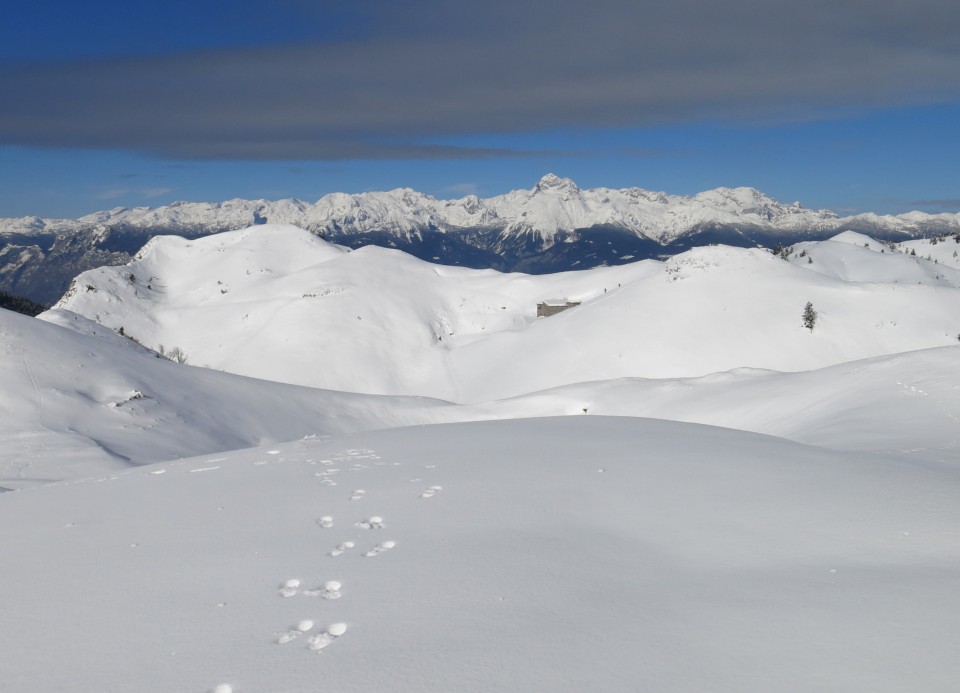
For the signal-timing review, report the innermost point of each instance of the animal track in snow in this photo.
(325, 475)
(906, 387)
(321, 640)
(329, 590)
(375, 522)
(380, 548)
(432, 491)
(357, 495)
(326, 522)
(290, 588)
(295, 632)
(340, 548)
(362, 453)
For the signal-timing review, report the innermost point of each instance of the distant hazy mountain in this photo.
(554, 226)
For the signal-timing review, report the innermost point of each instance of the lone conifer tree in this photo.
(809, 316)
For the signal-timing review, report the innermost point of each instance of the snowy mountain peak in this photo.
(749, 202)
(553, 205)
(554, 183)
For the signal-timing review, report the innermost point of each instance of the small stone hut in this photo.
(552, 306)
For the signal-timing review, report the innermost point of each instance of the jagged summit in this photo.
(555, 204)
(553, 182)
(629, 208)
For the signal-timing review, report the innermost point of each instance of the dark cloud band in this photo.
(436, 70)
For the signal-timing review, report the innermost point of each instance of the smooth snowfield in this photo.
(906, 405)
(278, 303)
(573, 554)
(79, 400)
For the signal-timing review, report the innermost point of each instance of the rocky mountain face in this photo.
(554, 226)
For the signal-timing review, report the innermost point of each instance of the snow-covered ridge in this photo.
(280, 303)
(553, 205)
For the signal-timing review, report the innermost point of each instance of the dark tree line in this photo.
(19, 304)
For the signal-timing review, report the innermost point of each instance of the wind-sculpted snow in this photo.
(575, 554)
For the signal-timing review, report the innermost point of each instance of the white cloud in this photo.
(112, 194)
(119, 193)
(461, 189)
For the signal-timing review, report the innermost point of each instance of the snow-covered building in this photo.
(552, 306)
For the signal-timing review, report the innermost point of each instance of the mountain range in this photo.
(555, 226)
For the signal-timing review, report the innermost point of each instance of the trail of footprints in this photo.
(317, 641)
(328, 590)
(913, 389)
(331, 589)
(341, 548)
(380, 548)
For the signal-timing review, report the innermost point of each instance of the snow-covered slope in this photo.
(906, 405)
(281, 304)
(560, 555)
(943, 250)
(854, 257)
(77, 399)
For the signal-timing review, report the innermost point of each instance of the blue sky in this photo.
(846, 105)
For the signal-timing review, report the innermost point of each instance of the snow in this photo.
(77, 399)
(554, 204)
(379, 321)
(945, 253)
(854, 257)
(673, 486)
(700, 559)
